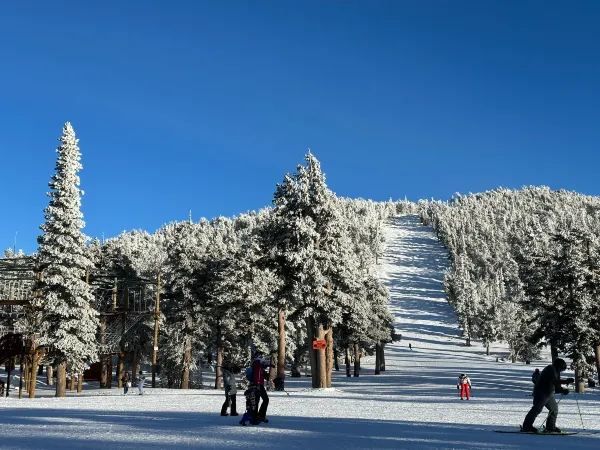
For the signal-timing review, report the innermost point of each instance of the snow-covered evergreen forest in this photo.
(525, 270)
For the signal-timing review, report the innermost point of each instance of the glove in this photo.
(565, 391)
(570, 380)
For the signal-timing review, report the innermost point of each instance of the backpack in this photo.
(249, 374)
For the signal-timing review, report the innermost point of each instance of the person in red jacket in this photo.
(258, 378)
(464, 386)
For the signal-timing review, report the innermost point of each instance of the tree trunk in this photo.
(72, 383)
(281, 348)
(187, 359)
(136, 363)
(120, 369)
(382, 357)
(377, 362)
(336, 356)
(272, 370)
(33, 373)
(314, 361)
(318, 363)
(219, 371)
(61, 380)
(329, 356)
(597, 354)
(80, 383)
(49, 375)
(356, 360)
(348, 361)
(487, 349)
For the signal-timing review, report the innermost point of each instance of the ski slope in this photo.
(413, 404)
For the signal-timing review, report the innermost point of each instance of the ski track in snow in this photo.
(413, 404)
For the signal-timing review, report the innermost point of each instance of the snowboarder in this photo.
(547, 384)
(230, 392)
(126, 380)
(140, 383)
(464, 386)
(258, 378)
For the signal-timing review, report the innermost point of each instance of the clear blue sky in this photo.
(205, 105)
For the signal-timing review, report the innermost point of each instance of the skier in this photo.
(464, 386)
(258, 378)
(141, 380)
(230, 392)
(548, 383)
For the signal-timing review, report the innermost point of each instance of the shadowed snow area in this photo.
(413, 404)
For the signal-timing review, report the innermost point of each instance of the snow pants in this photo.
(229, 401)
(261, 393)
(464, 391)
(539, 401)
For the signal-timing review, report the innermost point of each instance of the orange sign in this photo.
(319, 344)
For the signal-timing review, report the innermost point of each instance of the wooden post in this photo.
(156, 329)
(103, 364)
(114, 296)
(21, 377)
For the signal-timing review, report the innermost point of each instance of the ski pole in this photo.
(579, 410)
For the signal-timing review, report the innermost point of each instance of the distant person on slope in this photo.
(464, 386)
(140, 383)
(547, 384)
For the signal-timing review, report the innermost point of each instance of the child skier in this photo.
(464, 386)
(249, 416)
(230, 392)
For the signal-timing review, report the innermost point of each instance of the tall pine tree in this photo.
(69, 322)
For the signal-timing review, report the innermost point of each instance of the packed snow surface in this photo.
(413, 404)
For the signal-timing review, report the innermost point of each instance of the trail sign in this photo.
(319, 344)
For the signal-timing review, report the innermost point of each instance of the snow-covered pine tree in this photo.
(69, 322)
(312, 255)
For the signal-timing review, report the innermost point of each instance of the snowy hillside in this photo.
(413, 404)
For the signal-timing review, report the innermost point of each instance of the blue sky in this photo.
(204, 106)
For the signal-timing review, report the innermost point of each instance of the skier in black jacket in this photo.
(548, 383)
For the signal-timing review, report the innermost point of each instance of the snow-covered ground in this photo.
(413, 404)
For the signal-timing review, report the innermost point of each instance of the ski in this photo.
(541, 433)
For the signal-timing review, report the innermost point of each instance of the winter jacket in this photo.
(229, 381)
(463, 380)
(535, 376)
(258, 371)
(549, 382)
